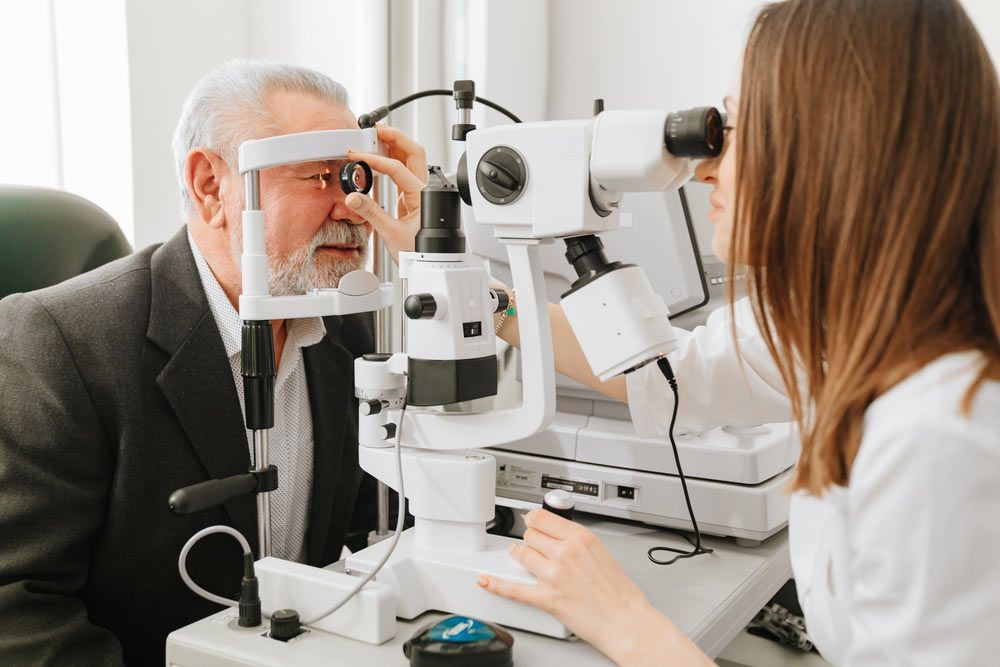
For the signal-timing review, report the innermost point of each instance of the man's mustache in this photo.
(341, 232)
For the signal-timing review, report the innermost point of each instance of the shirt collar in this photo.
(301, 332)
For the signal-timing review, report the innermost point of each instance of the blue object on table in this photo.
(460, 640)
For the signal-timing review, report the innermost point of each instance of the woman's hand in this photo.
(582, 585)
(406, 165)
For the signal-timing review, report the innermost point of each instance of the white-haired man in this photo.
(124, 384)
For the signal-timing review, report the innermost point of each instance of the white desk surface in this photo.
(711, 598)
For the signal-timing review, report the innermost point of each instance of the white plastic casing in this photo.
(305, 147)
(556, 197)
(620, 322)
(254, 259)
(370, 616)
(449, 487)
(616, 152)
(628, 153)
(461, 292)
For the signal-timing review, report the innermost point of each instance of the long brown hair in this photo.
(867, 205)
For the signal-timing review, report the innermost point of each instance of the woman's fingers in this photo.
(542, 543)
(551, 524)
(506, 589)
(404, 179)
(405, 149)
(368, 209)
(531, 560)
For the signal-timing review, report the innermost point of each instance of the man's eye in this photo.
(321, 180)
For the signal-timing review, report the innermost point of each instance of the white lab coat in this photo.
(899, 567)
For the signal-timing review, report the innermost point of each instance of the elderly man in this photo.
(124, 384)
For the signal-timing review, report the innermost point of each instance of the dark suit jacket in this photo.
(115, 390)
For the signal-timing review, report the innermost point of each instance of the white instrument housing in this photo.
(315, 146)
(462, 326)
(572, 165)
(620, 322)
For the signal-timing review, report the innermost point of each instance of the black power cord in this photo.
(367, 120)
(668, 373)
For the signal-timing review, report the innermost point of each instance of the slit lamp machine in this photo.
(533, 184)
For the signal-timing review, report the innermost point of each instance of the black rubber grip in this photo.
(214, 492)
(258, 368)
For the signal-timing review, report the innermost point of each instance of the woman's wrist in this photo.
(646, 637)
(502, 319)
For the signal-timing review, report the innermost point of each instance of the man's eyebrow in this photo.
(315, 165)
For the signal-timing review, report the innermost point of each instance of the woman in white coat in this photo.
(860, 188)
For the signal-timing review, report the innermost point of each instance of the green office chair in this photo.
(48, 236)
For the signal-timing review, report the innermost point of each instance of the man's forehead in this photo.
(300, 112)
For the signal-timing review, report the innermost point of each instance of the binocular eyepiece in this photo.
(356, 177)
(694, 133)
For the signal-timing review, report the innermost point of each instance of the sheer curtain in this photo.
(29, 116)
(65, 120)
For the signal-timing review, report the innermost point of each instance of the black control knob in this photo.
(372, 407)
(559, 502)
(285, 625)
(420, 306)
(388, 431)
(501, 175)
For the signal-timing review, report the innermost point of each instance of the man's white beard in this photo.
(303, 269)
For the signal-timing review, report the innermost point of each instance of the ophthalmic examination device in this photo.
(533, 183)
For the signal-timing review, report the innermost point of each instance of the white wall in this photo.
(170, 46)
(664, 53)
(643, 53)
(173, 44)
(986, 15)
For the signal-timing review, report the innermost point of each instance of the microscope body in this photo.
(565, 180)
(570, 174)
(449, 329)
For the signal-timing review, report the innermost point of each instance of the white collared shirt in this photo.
(291, 439)
(898, 567)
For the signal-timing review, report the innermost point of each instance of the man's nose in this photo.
(707, 171)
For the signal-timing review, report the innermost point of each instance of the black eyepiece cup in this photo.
(694, 133)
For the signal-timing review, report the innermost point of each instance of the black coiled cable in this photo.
(668, 373)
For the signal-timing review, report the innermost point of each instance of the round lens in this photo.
(360, 182)
(356, 177)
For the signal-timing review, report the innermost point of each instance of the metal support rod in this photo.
(251, 186)
(382, 528)
(382, 267)
(251, 183)
(263, 499)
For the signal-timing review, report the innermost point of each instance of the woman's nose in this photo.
(707, 171)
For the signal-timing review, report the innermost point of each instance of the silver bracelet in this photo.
(511, 310)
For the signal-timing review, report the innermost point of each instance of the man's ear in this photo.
(203, 173)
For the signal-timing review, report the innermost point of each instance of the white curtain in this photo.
(29, 115)
(65, 120)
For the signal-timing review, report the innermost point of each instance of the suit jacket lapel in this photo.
(197, 380)
(329, 374)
